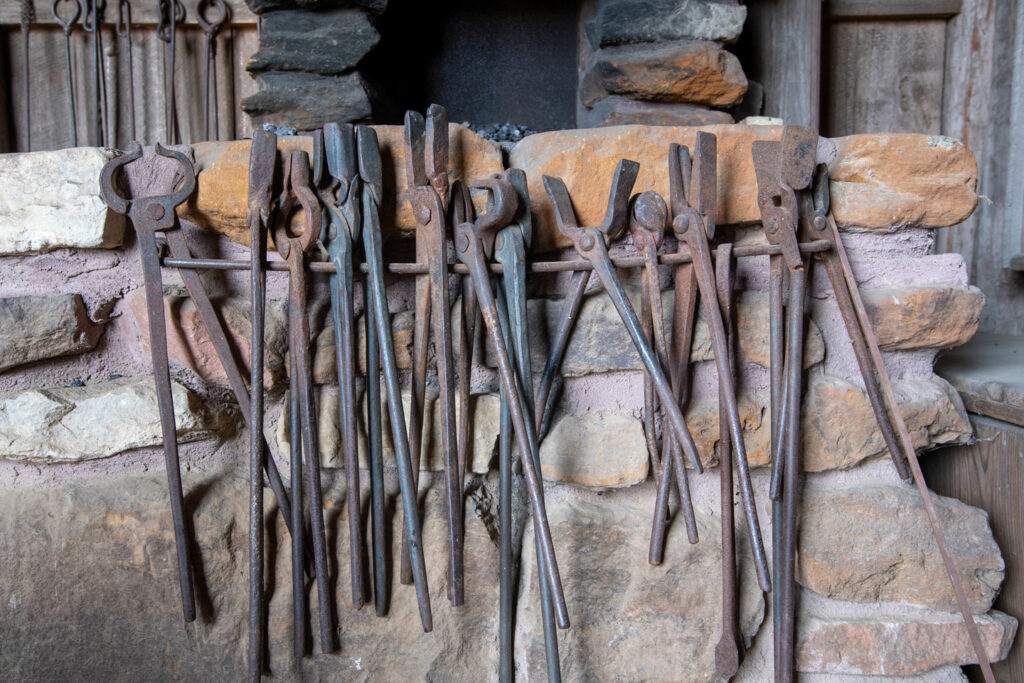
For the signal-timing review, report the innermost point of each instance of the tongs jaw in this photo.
(159, 210)
(615, 217)
(336, 176)
(297, 195)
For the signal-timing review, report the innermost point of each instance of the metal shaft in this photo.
(570, 312)
(375, 438)
(298, 552)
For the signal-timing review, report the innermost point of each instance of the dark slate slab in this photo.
(639, 21)
(321, 42)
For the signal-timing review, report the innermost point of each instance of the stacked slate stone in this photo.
(659, 62)
(306, 64)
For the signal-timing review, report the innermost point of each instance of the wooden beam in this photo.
(143, 13)
(846, 10)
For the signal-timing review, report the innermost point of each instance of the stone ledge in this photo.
(873, 544)
(897, 646)
(54, 425)
(919, 180)
(220, 200)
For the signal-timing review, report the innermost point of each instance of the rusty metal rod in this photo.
(632, 261)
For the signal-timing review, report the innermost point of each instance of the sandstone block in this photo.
(640, 21)
(886, 181)
(600, 343)
(618, 111)
(484, 429)
(33, 328)
(67, 424)
(897, 645)
(595, 451)
(924, 317)
(189, 343)
(307, 101)
(325, 355)
(220, 200)
(838, 427)
(690, 71)
(873, 544)
(621, 605)
(321, 42)
(107, 549)
(52, 200)
(879, 182)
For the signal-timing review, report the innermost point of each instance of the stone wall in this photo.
(90, 577)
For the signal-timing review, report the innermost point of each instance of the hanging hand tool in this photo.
(511, 245)
(426, 159)
(292, 244)
(474, 243)
(210, 29)
(818, 223)
(684, 315)
(613, 225)
(336, 168)
(172, 13)
(28, 17)
(461, 206)
(149, 216)
(262, 159)
(591, 245)
(92, 22)
(67, 24)
(647, 226)
(124, 29)
(371, 175)
(728, 651)
(779, 166)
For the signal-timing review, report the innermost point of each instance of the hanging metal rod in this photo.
(631, 261)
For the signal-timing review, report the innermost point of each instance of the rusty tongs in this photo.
(590, 243)
(379, 334)
(296, 227)
(818, 223)
(426, 162)
(474, 243)
(150, 216)
(336, 176)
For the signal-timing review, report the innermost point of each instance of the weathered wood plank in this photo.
(885, 77)
(892, 9)
(143, 13)
(49, 99)
(784, 42)
(989, 474)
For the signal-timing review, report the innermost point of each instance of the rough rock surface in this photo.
(838, 427)
(900, 180)
(697, 72)
(92, 591)
(188, 341)
(924, 317)
(342, 37)
(619, 111)
(99, 420)
(220, 200)
(307, 101)
(52, 200)
(36, 327)
(898, 645)
(595, 451)
(325, 355)
(484, 431)
(878, 181)
(600, 343)
(635, 21)
(872, 544)
(620, 605)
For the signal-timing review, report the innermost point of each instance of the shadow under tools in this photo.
(193, 499)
